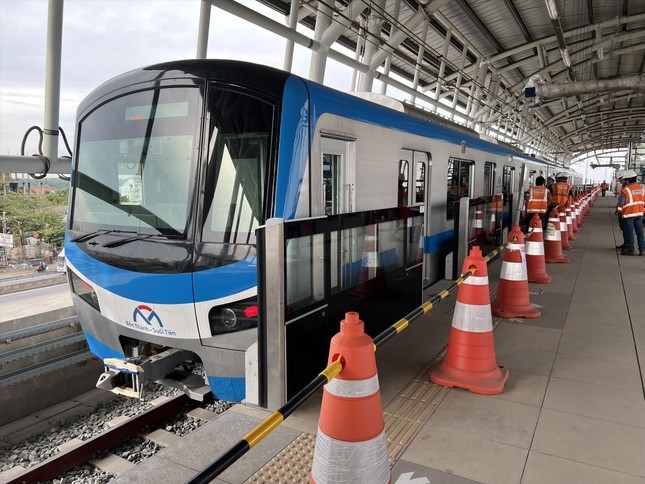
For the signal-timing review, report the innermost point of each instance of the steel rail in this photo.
(112, 437)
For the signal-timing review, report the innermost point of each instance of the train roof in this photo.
(271, 81)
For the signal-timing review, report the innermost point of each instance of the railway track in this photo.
(76, 452)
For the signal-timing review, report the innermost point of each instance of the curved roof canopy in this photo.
(554, 77)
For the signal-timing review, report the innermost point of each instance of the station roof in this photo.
(585, 59)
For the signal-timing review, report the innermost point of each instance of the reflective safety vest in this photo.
(538, 200)
(560, 193)
(603, 186)
(634, 201)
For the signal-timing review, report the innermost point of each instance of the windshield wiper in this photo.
(91, 235)
(127, 240)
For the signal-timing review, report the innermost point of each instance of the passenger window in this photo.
(404, 176)
(489, 178)
(458, 182)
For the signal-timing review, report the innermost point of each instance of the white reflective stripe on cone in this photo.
(513, 271)
(552, 234)
(536, 230)
(477, 280)
(353, 388)
(337, 461)
(478, 223)
(472, 318)
(534, 248)
(522, 249)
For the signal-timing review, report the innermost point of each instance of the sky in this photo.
(105, 38)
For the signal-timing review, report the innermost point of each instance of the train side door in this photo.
(413, 194)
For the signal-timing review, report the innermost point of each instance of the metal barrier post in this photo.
(273, 314)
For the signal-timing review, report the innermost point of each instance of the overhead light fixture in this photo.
(552, 9)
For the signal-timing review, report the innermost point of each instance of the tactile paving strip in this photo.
(292, 464)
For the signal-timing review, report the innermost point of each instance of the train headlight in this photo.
(228, 318)
(83, 290)
(233, 317)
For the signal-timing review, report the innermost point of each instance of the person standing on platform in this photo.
(560, 191)
(538, 200)
(603, 187)
(549, 184)
(631, 205)
(620, 184)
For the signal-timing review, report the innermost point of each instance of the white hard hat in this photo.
(629, 174)
(620, 174)
(561, 175)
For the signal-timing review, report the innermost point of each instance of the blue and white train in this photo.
(176, 165)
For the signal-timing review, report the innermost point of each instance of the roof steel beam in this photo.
(569, 33)
(424, 12)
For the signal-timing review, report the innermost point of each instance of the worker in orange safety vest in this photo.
(538, 199)
(560, 191)
(631, 206)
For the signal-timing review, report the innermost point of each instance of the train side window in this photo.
(508, 176)
(489, 178)
(458, 182)
(532, 174)
(403, 183)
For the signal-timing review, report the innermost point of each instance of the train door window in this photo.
(532, 175)
(331, 178)
(338, 175)
(421, 167)
(508, 179)
(404, 178)
(489, 179)
(458, 183)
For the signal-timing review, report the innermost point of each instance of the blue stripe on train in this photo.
(231, 389)
(165, 288)
(438, 242)
(100, 349)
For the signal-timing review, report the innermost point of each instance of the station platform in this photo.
(572, 411)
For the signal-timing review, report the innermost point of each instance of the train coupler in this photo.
(127, 376)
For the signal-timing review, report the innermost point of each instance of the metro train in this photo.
(177, 165)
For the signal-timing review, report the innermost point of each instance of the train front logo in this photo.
(147, 314)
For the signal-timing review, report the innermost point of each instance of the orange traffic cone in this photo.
(518, 243)
(553, 241)
(535, 263)
(564, 231)
(568, 209)
(350, 444)
(478, 234)
(512, 300)
(470, 358)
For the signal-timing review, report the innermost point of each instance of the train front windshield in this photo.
(136, 169)
(136, 163)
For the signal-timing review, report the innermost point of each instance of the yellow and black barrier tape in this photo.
(268, 424)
